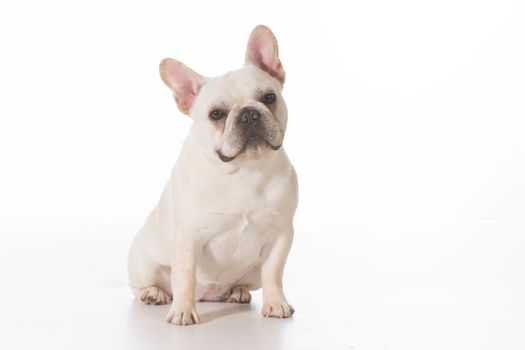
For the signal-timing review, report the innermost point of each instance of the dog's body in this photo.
(223, 225)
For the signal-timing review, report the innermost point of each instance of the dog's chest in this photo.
(236, 247)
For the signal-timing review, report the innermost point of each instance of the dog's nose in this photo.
(249, 115)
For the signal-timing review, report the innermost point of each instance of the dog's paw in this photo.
(240, 295)
(154, 296)
(182, 316)
(277, 308)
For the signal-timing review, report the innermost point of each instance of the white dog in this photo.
(224, 223)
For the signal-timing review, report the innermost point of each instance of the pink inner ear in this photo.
(184, 87)
(185, 90)
(184, 83)
(185, 102)
(263, 52)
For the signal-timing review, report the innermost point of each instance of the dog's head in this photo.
(241, 112)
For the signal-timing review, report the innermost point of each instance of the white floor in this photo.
(366, 286)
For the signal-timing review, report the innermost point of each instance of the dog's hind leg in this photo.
(149, 281)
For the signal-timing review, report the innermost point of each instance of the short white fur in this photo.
(220, 228)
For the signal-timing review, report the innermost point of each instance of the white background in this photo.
(406, 127)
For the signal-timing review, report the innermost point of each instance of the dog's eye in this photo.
(217, 114)
(269, 98)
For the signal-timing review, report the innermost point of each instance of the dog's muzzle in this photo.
(251, 129)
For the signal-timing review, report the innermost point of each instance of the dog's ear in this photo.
(183, 81)
(262, 51)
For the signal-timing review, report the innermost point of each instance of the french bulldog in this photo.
(224, 223)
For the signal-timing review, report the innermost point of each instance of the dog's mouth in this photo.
(253, 142)
(224, 158)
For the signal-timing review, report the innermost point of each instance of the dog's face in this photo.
(238, 115)
(240, 112)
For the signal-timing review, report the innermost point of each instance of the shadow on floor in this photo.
(222, 324)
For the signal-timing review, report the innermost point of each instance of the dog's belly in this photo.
(228, 257)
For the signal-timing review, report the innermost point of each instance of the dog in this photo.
(224, 223)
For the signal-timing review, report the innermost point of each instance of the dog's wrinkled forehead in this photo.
(238, 87)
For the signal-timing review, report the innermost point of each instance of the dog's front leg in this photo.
(274, 301)
(183, 267)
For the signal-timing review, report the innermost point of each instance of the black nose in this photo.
(249, 115)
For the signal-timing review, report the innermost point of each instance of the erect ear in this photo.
(262, 51)
(184, 82)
